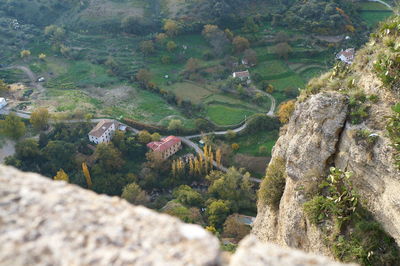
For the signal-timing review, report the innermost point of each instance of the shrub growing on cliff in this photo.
(356, 237)
(285, 110)
(393, 128)
(273, 185)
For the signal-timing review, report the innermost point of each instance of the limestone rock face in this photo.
(45, 222)
(308, 144)
(316, 138)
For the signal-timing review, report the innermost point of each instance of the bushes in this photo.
(393, 128)
(356, 237)
(285, 110)
(273, 185)
(358, 107)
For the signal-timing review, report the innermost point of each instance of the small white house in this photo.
(102, 132)
(346, 56)
(3, 102)
(242, 75)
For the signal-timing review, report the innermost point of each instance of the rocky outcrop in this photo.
(307, 144)
(317, 137)
(44, 222)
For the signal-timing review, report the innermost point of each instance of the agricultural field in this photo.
(83, 80)
(372, 13)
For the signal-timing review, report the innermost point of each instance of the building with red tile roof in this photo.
(166, 147)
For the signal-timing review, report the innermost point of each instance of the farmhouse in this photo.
(166, 147)
(242, 75)
(102, 132)
(3, 102)
(346, 56)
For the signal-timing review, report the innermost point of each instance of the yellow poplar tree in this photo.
(218, 156)
(211, 160)
(61, 176)
(87, 175)
(191, 166)
(197, 168)
(174, 168)
(201, 164)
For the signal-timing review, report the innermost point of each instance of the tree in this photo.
(58, 154)
(134, 194)
(175, 125)
(218, 156)
(155, 136)
(233, 186)
(87, 175)
(192, 65)
(230, 134)
(161, 37)
(285, 110)
(250, 25)
(147, 47)
(4, 88)
(144, 137)
(165, 59)
(13, 127)
(217, 38)
(42, 56)
(25, 53)
(251, 56)
(235, 146)
(171, 27)
(61, 176)
(108, 157)
(233, 228)
(217, 211)
(112, 64)
(188, 196)
(240, 44)
(55, 33)
(283, 50)
(40, 118)
(143, 76)
(171, 45)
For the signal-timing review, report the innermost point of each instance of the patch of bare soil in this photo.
(103, 8)
(112, 96)
(331, 39)
(252, 163)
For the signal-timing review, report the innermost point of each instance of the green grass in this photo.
(250, 144)
(372, 18)
(293, 82)
(190, 91)
(272, 67)
(82, 74)
(226, 115)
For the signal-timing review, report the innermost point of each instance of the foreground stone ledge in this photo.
(253, 252)
(44, 222)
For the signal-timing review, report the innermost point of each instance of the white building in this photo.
(242, 75)
(3, 103)
(102, 132)
(346, 56)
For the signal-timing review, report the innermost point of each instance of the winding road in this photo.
(382, 2)
(185, 139)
